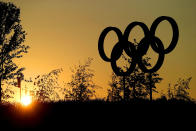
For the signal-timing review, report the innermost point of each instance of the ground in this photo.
(96, 113)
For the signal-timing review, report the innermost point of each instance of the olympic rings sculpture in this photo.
(137, 53)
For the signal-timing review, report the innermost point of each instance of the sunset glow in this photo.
(26, 100)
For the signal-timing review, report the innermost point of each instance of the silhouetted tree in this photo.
(48, 86)
(137, 84)
(180, 90)
(170, 93)
(8, 92)
(81, 83)
(142, 84)
(115, 92)
(12, 36)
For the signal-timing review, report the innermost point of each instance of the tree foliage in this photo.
(180, 90)
(12, 37)
(8, 93)
(81, 83)
(114, 94)
(48, 86)
(137, 84)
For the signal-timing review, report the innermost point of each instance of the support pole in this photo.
(124, 88)
(19, 86)
(20, 94)
(150, 85)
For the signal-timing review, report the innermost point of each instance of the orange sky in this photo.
(63, 32)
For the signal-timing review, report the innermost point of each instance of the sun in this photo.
(26, 100)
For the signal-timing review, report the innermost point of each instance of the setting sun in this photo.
(26, 100)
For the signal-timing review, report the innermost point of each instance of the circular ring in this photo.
(102, 38)
(119, 72)
(160, 58)
(117, 51)
(174, 28)
(132, 25)
(115, 55)
(128, 31)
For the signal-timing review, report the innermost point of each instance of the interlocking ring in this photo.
(136, 54)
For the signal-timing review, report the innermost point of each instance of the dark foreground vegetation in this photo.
(65, 114)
